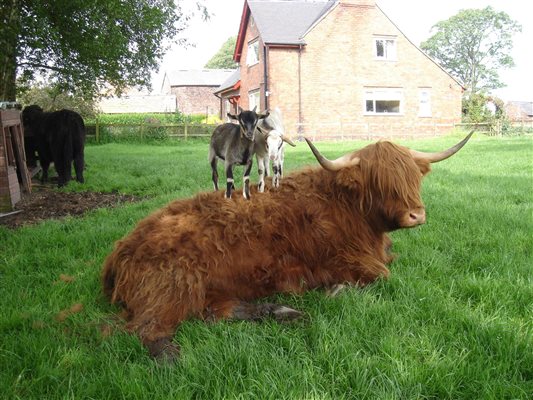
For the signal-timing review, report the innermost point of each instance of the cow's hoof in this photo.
(334, 290)
(163, 351)
(283, 313)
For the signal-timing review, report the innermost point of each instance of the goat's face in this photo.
(274, 144)
(248, 122)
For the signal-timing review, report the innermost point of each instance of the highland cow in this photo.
(209, 258)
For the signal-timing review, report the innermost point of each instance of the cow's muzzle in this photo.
(416, 217)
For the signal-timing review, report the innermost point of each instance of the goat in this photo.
(269, 146)
(234, 143)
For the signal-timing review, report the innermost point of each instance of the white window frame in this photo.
(390, 48)
(377, 95)
(254, 99)
(424, 102)
(252, 55)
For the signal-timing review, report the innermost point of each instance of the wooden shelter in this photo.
(14, 174)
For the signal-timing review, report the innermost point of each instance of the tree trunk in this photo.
(9, 32)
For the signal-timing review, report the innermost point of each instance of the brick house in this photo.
(338, 69)
(520, 112)
(194, 89)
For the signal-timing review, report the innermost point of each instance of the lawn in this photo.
(454, 320)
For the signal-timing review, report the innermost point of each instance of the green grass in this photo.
(454, 321)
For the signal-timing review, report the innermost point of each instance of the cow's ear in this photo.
(424, 166)
(232, 116)
(349, 177)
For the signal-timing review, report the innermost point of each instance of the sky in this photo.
(414, 18)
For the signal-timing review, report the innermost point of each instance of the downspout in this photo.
(221, 104)
(300, 90)
(265, 72)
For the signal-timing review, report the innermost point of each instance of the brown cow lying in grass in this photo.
(209, 257)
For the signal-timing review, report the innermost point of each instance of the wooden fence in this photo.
(324, 131)
(100, 130)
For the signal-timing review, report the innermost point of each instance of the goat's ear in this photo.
(262, 116)
(232, 116)
(254, 109)
(287, 140)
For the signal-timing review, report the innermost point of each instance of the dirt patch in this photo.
(46, 203)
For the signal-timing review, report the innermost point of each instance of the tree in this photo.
(224, 57)
(80, 46)
(473, 45)
(52, 98)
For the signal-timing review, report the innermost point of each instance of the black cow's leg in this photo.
(45, 164)
(246, 178)
(229, 180)
(214, 174)
(79, 165)
(59, 161)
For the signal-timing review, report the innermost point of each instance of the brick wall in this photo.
(338, 63)
(196, 99)
(252, 77)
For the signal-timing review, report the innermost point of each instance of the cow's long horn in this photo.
(442, 155)
(333, 165)
(287, 140)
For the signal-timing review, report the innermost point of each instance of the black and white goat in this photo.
(234, 143)
(269, 146)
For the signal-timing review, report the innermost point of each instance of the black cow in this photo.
(57, 136)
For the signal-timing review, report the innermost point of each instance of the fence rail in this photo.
(316, 131)
(144, 130)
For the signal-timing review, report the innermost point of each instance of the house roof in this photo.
(230, 82)
(202, 77)
(281, 22)
(525, 106)
(285, 22)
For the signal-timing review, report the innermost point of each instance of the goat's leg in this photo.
(243, 311)
(276, 168)
(261, 172)
(229, 179)
(246, 178)
(214, 173)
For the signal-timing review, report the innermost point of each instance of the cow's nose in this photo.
(417, 217)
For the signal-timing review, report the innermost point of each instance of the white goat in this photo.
(269, 146)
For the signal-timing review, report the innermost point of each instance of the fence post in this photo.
(185, 131)
(142, 130)
(97, 133)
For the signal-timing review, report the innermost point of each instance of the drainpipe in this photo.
(221, 104)
(300, 90)
(265, 72)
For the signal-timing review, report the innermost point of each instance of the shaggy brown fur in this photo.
(207, 257)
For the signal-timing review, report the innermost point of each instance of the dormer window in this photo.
(252, 56)
(385, 48)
